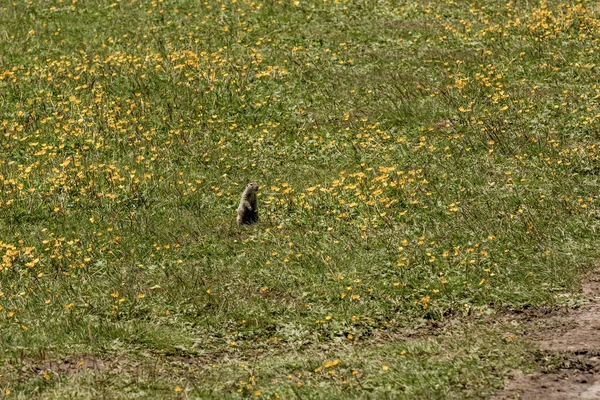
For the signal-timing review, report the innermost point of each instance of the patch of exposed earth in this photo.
(570, 343)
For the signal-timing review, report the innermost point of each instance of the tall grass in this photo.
(418, 162)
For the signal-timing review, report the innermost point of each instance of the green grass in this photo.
(419, 163)
(438, 366)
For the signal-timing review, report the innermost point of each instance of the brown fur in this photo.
(247, 212)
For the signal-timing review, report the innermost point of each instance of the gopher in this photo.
(247, 212)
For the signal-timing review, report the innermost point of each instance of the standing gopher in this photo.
(247, 212)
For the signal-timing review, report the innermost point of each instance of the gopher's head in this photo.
(252, 187)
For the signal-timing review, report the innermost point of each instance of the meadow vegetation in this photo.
(421, 164)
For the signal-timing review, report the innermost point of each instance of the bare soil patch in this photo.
(570, 344)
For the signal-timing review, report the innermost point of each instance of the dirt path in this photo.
(571, 342)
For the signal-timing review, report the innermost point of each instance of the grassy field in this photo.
(423, 166)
